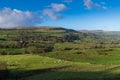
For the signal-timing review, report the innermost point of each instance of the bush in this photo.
(31, 50)
(68, 48)
(80, 53)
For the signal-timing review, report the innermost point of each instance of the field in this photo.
(93, 56)
(86, 66)
(35, 67)
(57, 54)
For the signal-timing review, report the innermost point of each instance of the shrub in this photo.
(31, 50)
(79, 52)
(67, 48)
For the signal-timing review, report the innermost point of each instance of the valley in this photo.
(55, 53)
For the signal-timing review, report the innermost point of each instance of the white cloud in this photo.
(58, 7)
(54, 10)
(52, 14)
(90, 4)
(15, 18)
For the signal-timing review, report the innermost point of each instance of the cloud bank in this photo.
(16, 18)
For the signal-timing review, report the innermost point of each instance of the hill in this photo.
(47, 39)
(103, 34)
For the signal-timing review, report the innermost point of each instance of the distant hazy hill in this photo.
(103, 34)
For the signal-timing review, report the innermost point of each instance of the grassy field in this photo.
(93, 56)
(34, 67)
(22, 65)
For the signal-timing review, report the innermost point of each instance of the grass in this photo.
(11, 51)
(35, 67)
(62, 46)
(100, 64)
(18, 64)
(93, 56)
(30, 62)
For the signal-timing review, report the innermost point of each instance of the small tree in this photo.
(31, 50)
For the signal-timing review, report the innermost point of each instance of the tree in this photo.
(71, 37)
(31, 50)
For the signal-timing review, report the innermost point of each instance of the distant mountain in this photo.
(103, 34)
(91, 30)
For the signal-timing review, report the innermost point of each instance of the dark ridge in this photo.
(60, 28)
(40, 27)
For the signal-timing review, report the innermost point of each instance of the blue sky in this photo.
(74, 14)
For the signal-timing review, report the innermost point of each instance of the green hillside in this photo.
(56, 53)
(103, 34)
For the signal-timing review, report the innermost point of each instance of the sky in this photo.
(73, 14)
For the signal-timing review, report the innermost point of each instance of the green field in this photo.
(35, 67)
(93, 56)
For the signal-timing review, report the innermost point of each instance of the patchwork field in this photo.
(57, 54)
